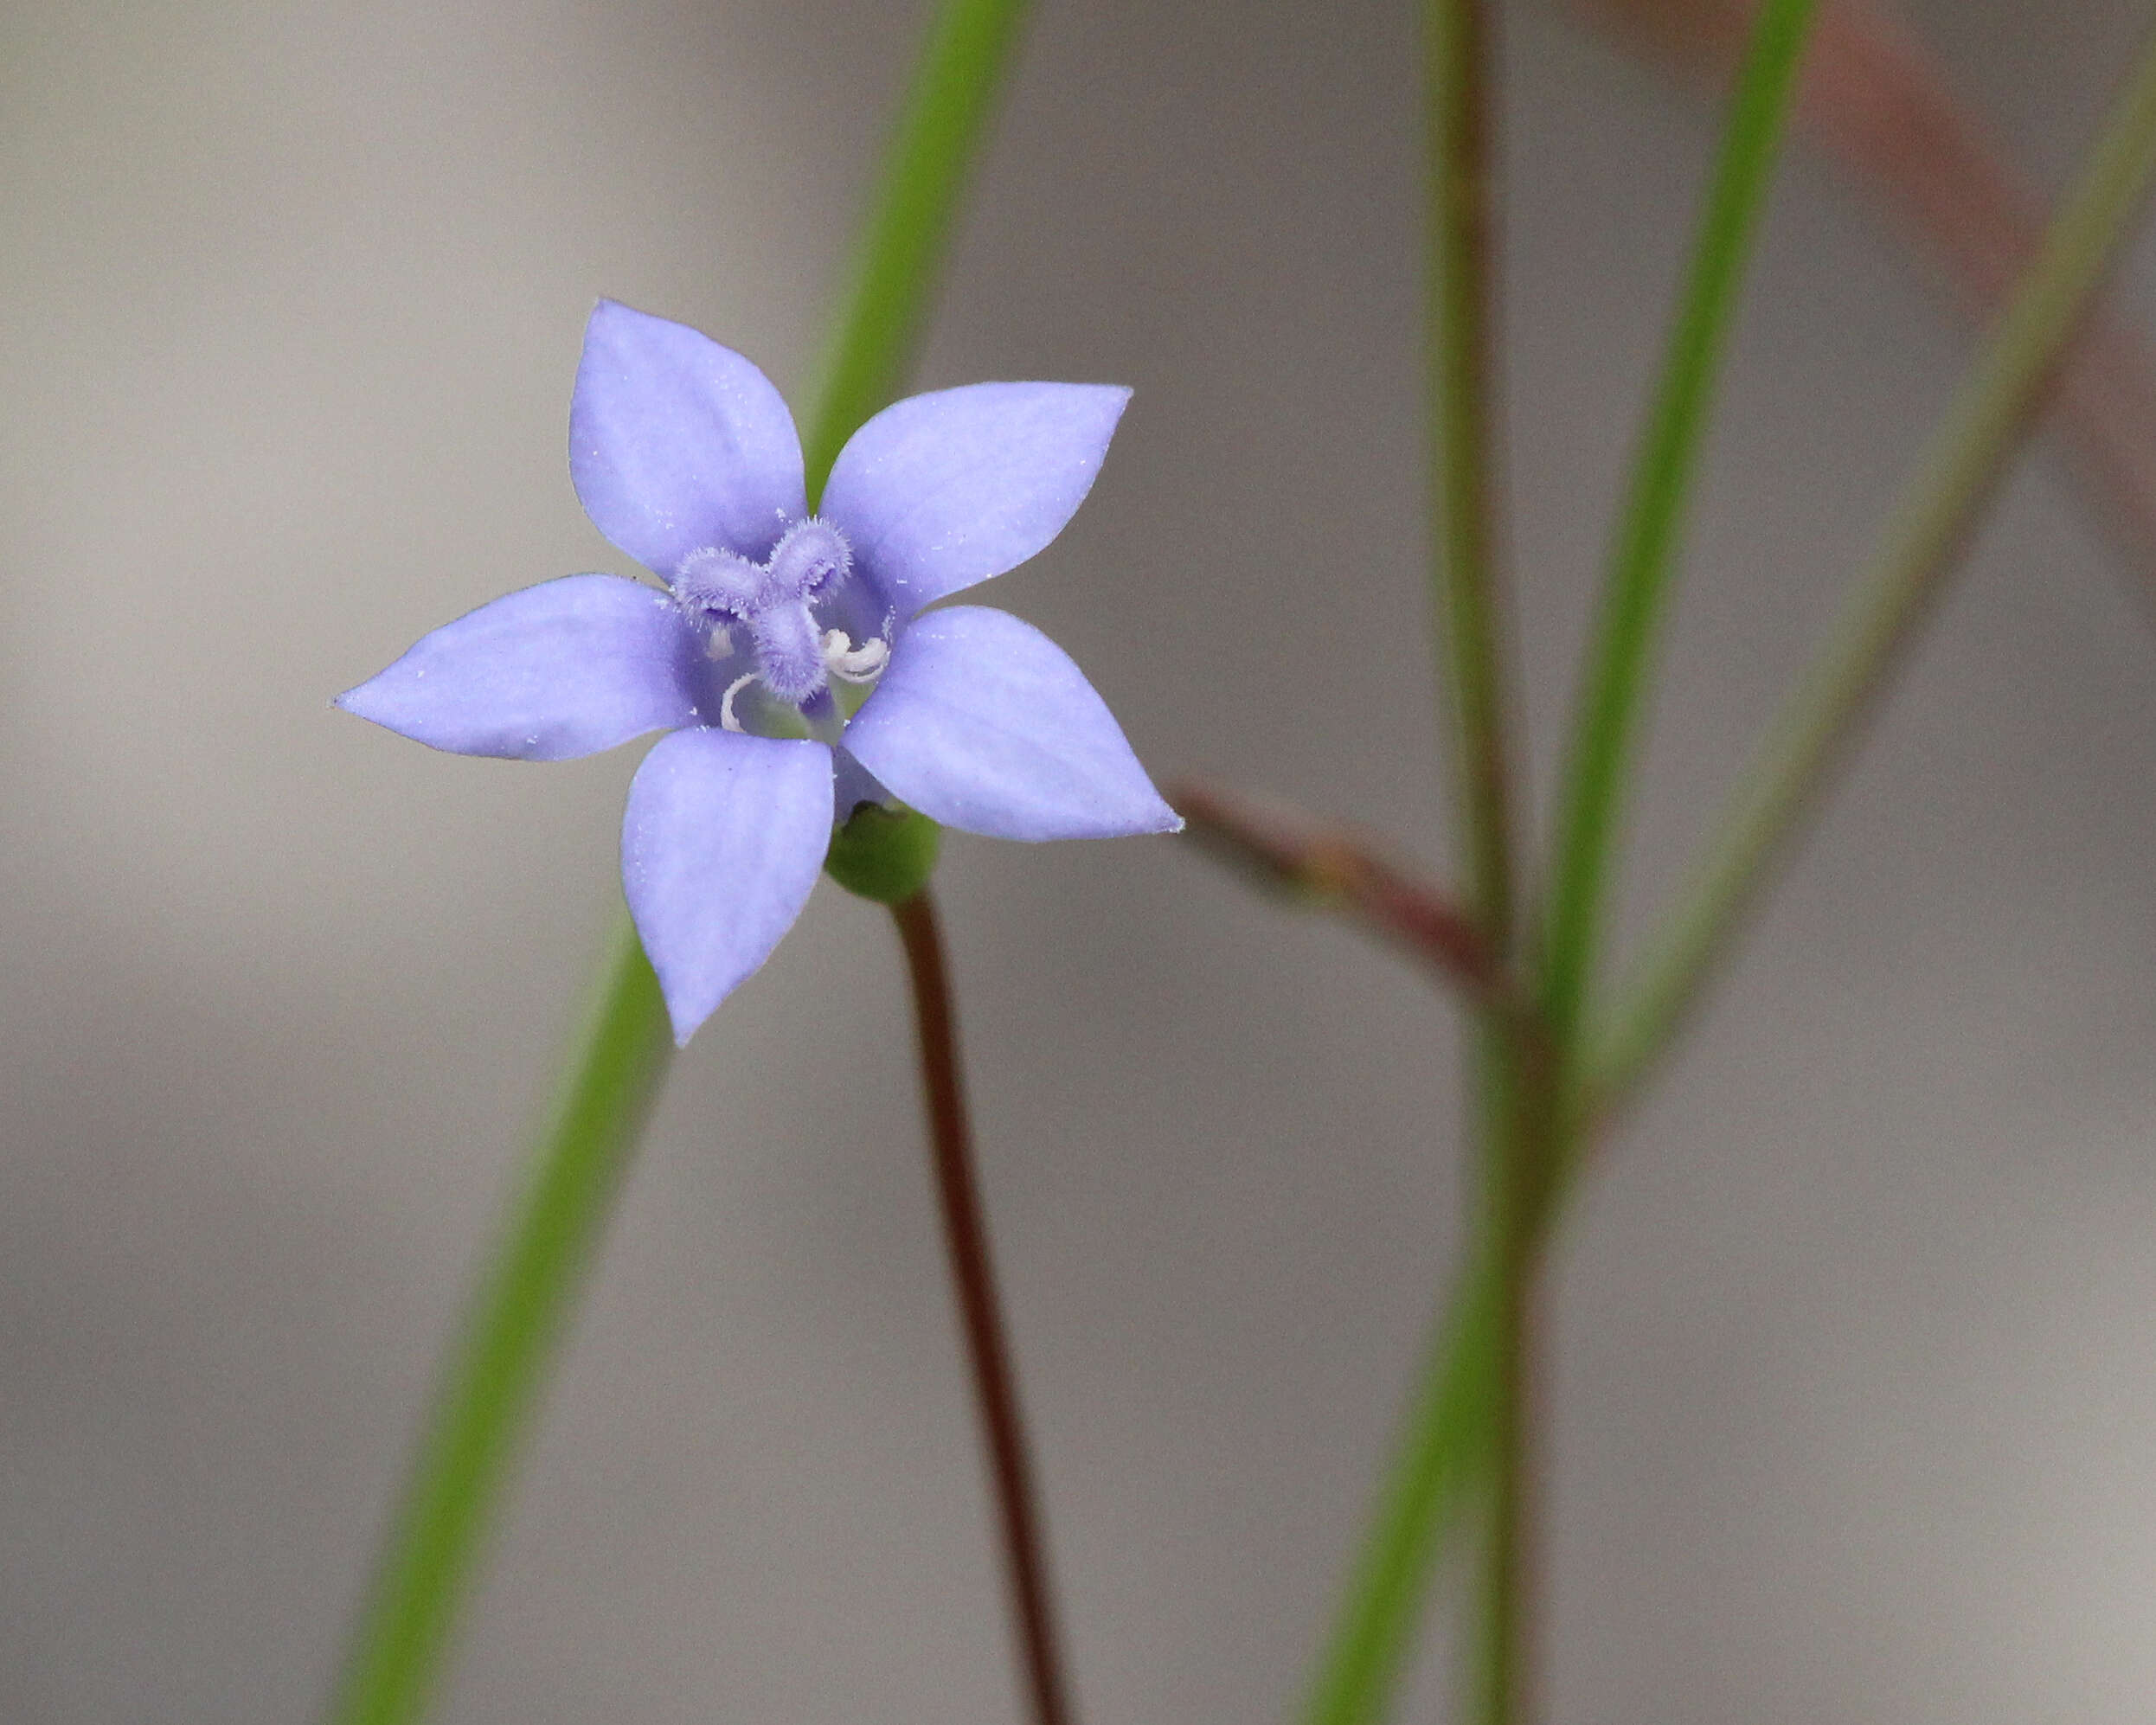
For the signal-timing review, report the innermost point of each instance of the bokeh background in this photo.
(1856, 1373)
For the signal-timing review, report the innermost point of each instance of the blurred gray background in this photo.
(1856, 1373)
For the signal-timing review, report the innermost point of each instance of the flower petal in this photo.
(722, 842)
(983, 723)
(938, 492)
(564, 669)
(676, 443)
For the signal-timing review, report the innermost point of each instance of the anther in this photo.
(850, 664)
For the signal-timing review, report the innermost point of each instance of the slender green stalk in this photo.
(510, 1333)
(1985, 426)
(1423, 1496)
(1531, 1155)
(1621, 659)
(1424, 1502)
(1474, 1398)
(1467, 497)
(1504, 1673)
(1467, 486)
(1450, 1447)
(520, 1311)
(926, 170)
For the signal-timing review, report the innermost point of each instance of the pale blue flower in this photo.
(771, 622)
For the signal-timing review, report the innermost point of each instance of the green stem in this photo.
(520, 1311)
(1476, 666)
(1467, 490)
(1619, 663)
(1523, 1183)
(1504, 1676)
(511, 1331)
(1443, 1456)
(1422, 1497)
(907, 240)
(1448, 1452)
(1987, 425)
(1474, 1396)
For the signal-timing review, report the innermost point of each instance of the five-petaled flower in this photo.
(685, 457)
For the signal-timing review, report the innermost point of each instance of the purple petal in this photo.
(563, 669)
(983, 723)
(938, 492)
(676, 443)
(723, 840)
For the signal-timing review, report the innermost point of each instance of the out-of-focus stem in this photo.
(1468, 498)
(1475, 1402)
(1467, 488)
(1359, 1666)
(927, 166)
(1921, 548)
(1287, 851)
(1878, 100)
(1620, 664)
(511, 1331)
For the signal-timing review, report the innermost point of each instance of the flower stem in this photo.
(1471, 1423)
(1613, 687)
(972, 1274)
(1923, 544)
(1467, 486)
(1443, 1456)
(1525, 1166)
(511, 1329)
(1447, 1448)
(1461, 53)
(519, 1314)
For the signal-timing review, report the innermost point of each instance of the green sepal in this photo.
(886, 855)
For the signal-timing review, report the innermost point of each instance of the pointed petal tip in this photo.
(985, 724)
(686, 1019)
(1160, 821)
(722, 842)
(944, 490)
(354, 700)
(678, 442)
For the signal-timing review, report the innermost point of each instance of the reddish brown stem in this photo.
(1289, 850)
(973, 1272)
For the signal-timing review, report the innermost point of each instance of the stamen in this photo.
(850, 664)
(727, 721)
(721, 644)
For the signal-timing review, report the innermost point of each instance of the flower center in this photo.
(785, 606)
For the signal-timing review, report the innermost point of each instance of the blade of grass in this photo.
(521, 1310)
(1962, 467)
(1613, 686)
